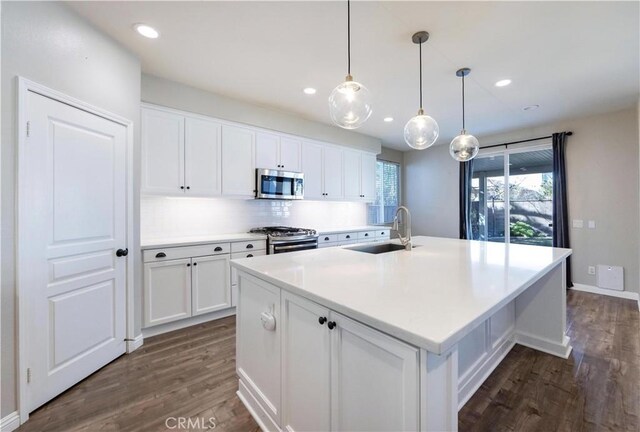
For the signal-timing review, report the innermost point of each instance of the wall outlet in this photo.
(592, 224)
(578, 223)
(591, 270)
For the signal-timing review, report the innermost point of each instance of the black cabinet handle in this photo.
(122, 252)
(249, 255)
(322, 320)
(188, 187)
(366, 234)
(326, 239)
(195, 264)
(348, 236)
(218, 249)
(161, 255)
(188, 264)
(181, 187)
(331, 325)
(249, 246)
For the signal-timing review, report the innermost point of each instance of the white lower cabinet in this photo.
(167, 291)
(210, 284)
(336, 374)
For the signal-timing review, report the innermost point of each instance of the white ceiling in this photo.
(571, 58)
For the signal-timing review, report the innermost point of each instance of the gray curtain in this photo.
(560, 209)
(466, 172)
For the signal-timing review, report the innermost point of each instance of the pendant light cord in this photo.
(420, 48)
(349, 37)
(463, 128)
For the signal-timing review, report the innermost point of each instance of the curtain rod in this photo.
(522, 141)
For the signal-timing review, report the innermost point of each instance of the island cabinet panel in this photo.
(305, 365)
(211, 289)
(258, 356)
(374, 379)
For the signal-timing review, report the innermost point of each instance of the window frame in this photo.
(399, 186)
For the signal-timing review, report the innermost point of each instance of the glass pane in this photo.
(531, 198)
(387, 193)
(487, 199)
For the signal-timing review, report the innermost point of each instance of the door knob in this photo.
(122, 252)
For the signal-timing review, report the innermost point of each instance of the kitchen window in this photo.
(387, 200)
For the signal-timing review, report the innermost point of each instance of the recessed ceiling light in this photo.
(146, 31)
(309, 90)
(503, 83)
(530, 107)
(388, 119)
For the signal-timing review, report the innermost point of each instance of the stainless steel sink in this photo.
(377, 248)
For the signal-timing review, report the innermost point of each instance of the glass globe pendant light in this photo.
(422, 130)
(349, 102)
(464, 147)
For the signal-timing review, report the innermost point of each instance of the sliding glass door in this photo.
(512, 196)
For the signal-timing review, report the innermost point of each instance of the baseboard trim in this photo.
(261, 417)
(550, 347)
(10, 422)
(135, 343)
(187, 322)
(611, 293)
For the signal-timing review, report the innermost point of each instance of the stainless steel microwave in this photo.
(276, 184)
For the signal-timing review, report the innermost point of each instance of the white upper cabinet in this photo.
(202, 174)
(238, 161)
(312, 169)
(352, 176)
(162, 152)
(332, 172)
(277, 152)
(368, 176)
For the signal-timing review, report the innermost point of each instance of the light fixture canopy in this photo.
(421, 131)
(146, 30)
(350, 101)
(465, 146)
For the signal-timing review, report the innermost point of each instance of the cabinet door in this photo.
(210, 288)
(267, 151)
(374, 379)
(202, 175)
(290, 154)
(312, 169)
(352, 175)
(305, 365)
(238, 167)
(258, 348)
(368, 176)
(332, 173)
(167, 291)
(162, 152)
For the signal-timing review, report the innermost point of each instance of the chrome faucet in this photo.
(406, 240)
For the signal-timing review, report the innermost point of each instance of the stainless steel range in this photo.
(286, 239)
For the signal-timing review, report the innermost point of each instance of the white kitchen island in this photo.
(341, 340)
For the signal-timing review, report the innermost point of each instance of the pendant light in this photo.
(422, 130)
(349, 102)
(464, 147)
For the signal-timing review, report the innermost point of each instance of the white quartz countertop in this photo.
(431, 296)
(198, 240)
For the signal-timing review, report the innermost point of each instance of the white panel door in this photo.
(210, 284)
(203, 154)
(162, 152)
(374, 380)
(267, 151)
(368, 176)
(332, 173)
(290, 154)
(312, 169)
(352, 175)
(306, 357)
(238, 161)
(167, 291)
(72, 218)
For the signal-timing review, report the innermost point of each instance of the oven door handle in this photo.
(309, 245)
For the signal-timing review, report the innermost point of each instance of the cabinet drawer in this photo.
(248, 246)
(382, 233)
(248, 254)
(366, 235)
(170, 253)
(347, 236)
(327, 238)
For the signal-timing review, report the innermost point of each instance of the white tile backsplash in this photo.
(164, 217)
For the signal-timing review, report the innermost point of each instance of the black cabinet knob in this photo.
(331, 325)
(322, 320)
(249, 246)
(188, 187)
(348, 237)
(195, 264)
(218, 249)
(161, 255)
(366, 234)
(326, 239)
(249, 255)
(188, 264)
(181, 187)
(122, 252)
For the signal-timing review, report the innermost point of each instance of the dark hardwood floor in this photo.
(190, 373)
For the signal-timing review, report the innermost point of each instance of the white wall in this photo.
(171, 94)
(49, 44)
(602, 185)
(163, 217)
